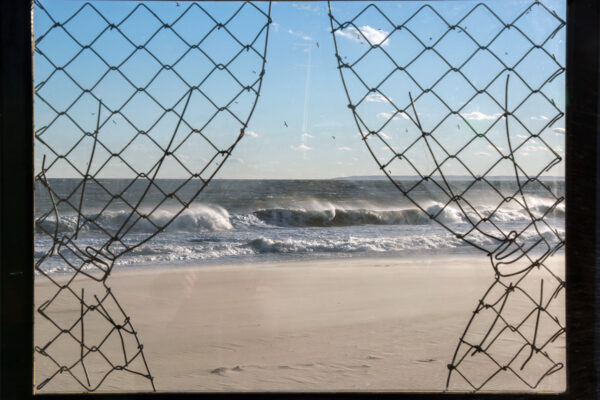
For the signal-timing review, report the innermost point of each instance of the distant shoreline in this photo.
(451, 177)
(343, 178)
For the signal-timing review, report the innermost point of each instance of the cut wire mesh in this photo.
(445, 94)
(140, 93)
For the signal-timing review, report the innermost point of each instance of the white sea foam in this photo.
(200, 217)
(264, 245)
(174, 248)
(197, 218)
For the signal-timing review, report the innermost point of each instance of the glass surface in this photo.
(299, 196)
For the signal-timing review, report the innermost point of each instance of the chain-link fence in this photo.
(140, 93)
(480, 97)
(148, 93)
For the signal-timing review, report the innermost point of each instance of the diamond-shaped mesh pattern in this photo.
(446, 94)
(158, 91)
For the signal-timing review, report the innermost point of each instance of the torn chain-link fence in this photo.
(478, 97)
(152, 93)
(143, 93)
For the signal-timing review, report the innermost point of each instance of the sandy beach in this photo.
(327, 325)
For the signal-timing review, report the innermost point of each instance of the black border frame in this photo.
(582, 221)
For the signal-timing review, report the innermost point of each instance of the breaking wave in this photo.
(198, 218)
(213, 218)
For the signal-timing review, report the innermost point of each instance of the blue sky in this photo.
(302, 87)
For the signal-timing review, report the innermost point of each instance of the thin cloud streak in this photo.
(302, 147)
(376, 98)
(388, 115)
(373, 35)
(479, 116)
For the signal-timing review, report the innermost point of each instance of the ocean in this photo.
(242, 221)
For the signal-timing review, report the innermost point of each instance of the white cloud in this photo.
(540, 118)
(388, 115)
(307, 7)
(489, 146)
(306, 136)
(252, 133)
(373, 35)
(558, 131)
(535, 148)
(522, 136)
(384, 135)
(275, 26)
(302, 147)
(483, 153)
(377, 98)
(559, 149)
(479, 116)
(299, 34)
(344, 148)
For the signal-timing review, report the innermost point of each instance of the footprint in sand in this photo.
(223, 371)
(219, 371)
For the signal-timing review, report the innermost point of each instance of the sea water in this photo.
(242, 221)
